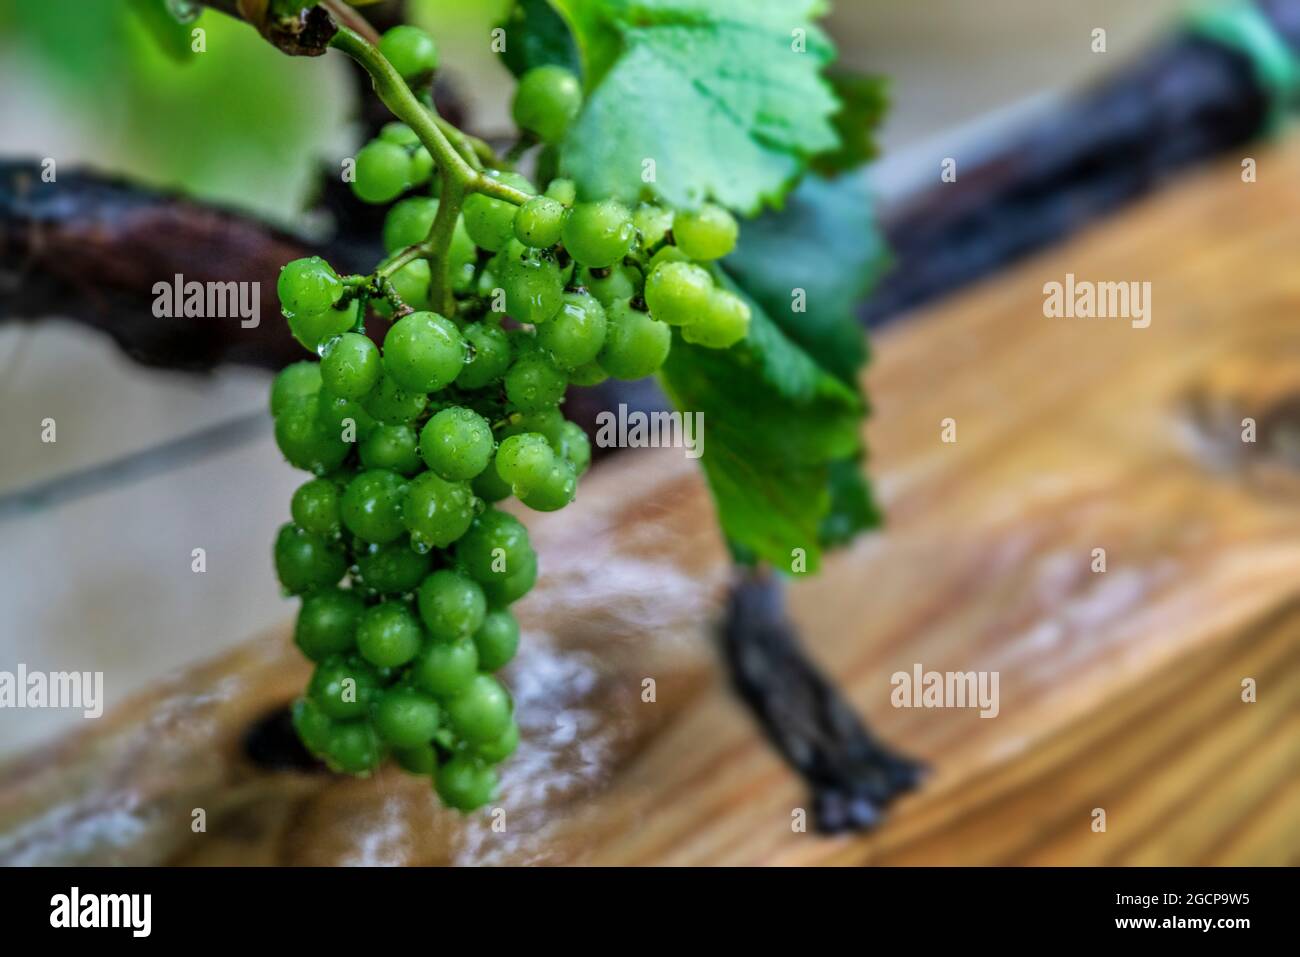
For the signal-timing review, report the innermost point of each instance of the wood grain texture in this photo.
(1119, 690)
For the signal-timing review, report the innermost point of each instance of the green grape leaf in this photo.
(535, 35)
(775, 424)
(725, 96)
(823, 242)
(863, 102)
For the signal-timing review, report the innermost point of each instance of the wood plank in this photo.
(1119, 690)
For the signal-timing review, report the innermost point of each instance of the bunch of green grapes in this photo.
(405, 565)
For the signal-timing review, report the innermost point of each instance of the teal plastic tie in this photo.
(1241, 25)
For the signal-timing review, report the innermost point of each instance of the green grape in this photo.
(497, 640)
(534, 384)
(411, 283)
(481, 712)
(465, 784)
(707, 233)
(344, 420)
(679, 293)
(383, 172)
(315, 507)
(539, 222)
(669, 254)
(555, 491)
(372, 506)
(549, 422)
(298, 380)
(393, 569)
(405, 718)
(575, 335)
(399, 133)
(388, 635)
(489, 356)
(308, 285)
(353, 748)
(343, 686)
(546, 102)
(636, 344)
(613, 283)
(599, 234)
(533, 284)
(494, 752)
(564, 191)
(423, 352)
(652, 223)
(490, 222)
(437, 512)
(327, 623)
(393, 447)
(312, 724)
(393, 405)
(408, 222)
(495, 546)
(575, 447)
(489, 486)
(445, 668)
(723, 324)
(421, 166)
(456, 443)
(589, 374)
(305, 441)
(350, 367)
(421, 759)
(451, 605)
(410, 50)
(314, 329)
(523, 461)
(515, 585)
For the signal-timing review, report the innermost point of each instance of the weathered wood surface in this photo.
(1119, 690)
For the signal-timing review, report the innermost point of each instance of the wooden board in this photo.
(1118, 690)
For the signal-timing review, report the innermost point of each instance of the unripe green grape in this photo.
(575, 447)
(539, 221)
(452, 605)
(405, 718)
(524, 461)
(574, 336)
(392, 569)
(533, 284)
(549, 422)
(314, 329)
(679, 293)
(423, 352)
(390, 404)
(393, 447)
(546, 101)
(456, 443)
(489, 486)
(668, 254)
(388, 635)
(534, 383)
(599, 234)
(343, 686)
(372, 506)
(489, 356)
(437, 512)
(563, 191)
(445, 668)
(294, 381)
(589, 374)
(308, 285)
(399, 133)
(383, 172)
(327, 623)
(497, 639)
(652, 223)
(490, 222)
(338, 416)
(353, 748)
(612, 283)
(481, 712)
(465, 784)
(408, 222)
(421, 759)
(477, 552)
(305, 440)
(350, 367)
(515, 585)
(421, 166)
(411, 283)
(312, 724)
(315, 507)
(636, 345)
(555, 491)
(706, 233)
(723, 324)
(494, 752)
(410, 50)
